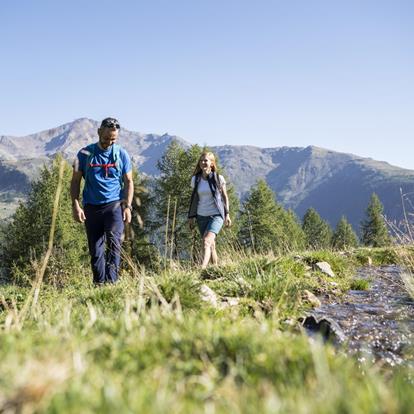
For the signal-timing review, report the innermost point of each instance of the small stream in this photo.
(377, 323)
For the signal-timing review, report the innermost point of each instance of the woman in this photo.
(209, 204)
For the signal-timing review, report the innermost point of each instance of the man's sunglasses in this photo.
(111, 124)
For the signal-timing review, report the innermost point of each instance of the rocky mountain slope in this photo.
(333, 183)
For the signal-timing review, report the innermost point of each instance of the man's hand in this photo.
(78, 214)
(127, 215)
(191, 223)
(227, 221)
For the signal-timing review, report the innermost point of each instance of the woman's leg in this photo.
(208, 242)
(214, 258)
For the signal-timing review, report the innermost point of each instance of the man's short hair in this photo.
(110, 121)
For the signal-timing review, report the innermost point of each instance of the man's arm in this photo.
(77, 211)
(128, 196)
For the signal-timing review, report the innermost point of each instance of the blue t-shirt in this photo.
(102, 184)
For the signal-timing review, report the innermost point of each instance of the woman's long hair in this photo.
(211, 157)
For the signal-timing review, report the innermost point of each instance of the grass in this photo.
(359, 284)
(406, 258)
(151, 344)
(378, 256)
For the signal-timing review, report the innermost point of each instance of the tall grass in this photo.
(129, 348)
(152, 344)
(404, 236)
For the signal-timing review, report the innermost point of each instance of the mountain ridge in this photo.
(332, 182)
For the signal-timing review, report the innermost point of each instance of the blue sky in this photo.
(335, 74)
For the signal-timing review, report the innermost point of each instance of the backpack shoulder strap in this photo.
(89, 151)
(197, 179)
(217, 180)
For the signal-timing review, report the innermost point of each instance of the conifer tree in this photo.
(344, 236)
(138, 245)
(317, 231)
(172, 198)
(28, 232)
(293, 230)
(265, 225)
(373, 228)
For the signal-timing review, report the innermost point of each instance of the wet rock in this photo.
(328, 328)
(325, 267)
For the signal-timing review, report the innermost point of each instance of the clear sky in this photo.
(335, 74)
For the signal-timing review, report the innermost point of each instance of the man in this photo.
(107, 198)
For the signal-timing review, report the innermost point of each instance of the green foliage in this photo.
(273, 284)
(28, 233)
(344, 236)
(373, 228)
(295, 236)
(137, 245)
(379, 255)
(173, 193)
(317, 231)
(228, 238)
(265, 225)
(342, 266)
(184, 285)
(359, 284)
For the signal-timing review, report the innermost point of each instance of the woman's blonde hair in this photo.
(211, 157)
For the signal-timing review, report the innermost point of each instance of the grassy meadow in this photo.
(153, 343)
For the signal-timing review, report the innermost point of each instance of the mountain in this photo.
(334, 183)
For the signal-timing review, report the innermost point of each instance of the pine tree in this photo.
(264, 224)
(28, 232)
(344, 236)
(172, 198)
(293, 231)
(318, 232)
(137, 245)
(373, 228)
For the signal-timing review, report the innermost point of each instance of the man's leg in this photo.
(114, 228)
(96, 241)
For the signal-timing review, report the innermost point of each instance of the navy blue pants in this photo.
(104, 228)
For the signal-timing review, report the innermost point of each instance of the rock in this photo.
(328, 328)
(311, 298)
(208, 295)
(230, 301)
(325, 267)
(334, 284)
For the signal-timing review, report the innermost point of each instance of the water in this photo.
(377, 323)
